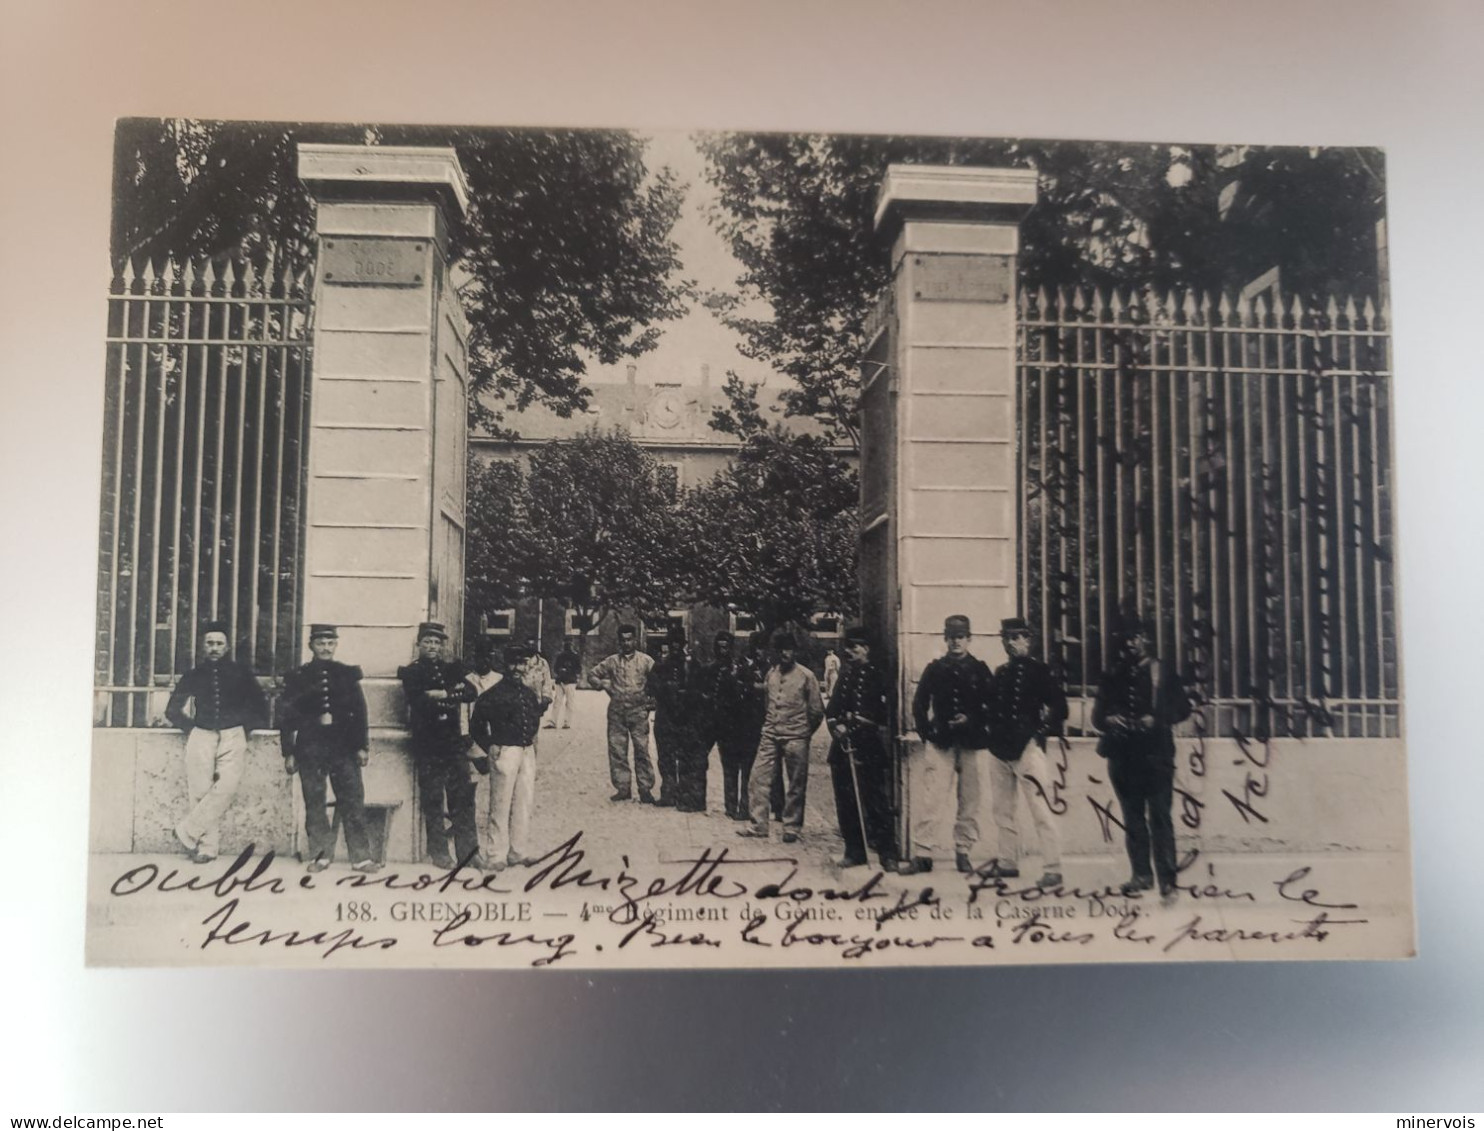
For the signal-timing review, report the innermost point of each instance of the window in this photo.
(657, 628)
(742, 624)
(575, 623)
(826, 625)
(500, 622)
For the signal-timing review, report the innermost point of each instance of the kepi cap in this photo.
(957, 625)
(321, 631)
(215, 626)
(432, 628)
(1014, 626)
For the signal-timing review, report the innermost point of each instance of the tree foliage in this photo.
(774, 534)
(592, 527)
(798, 212)
(566, 252)
(496, 547)
(591, 524)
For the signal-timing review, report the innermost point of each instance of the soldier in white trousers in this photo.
(1026, 704)
(216, 704)
(504, 724)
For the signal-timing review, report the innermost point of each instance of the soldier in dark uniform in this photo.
(694, 731)
(668, 685)
(216, 704)
(729, 693)
(1140, 699)
(951, 713)
(322, 728)
(860, 765)
(434, 689)
(1026, 703)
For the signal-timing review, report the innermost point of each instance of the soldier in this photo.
(1139, 701)
(567, 670)
(538, 677)
(624, 676)
(728, 694)
(504, 723)
(951, 713)
(794, 712)
(831, 673)
(435, 688)
(323, 731)
(694, 733)
(758, 661)
(1026, 704)
(216, 704)
(482, 674)
(860, 764)
(672, 686)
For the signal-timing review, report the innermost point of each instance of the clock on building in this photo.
(666, 410)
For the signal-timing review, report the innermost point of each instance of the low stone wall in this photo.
(139, 793)
(1310, 795)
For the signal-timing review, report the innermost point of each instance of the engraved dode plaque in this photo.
(375, 262)
(962, 278)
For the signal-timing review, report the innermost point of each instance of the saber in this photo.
(855, 783)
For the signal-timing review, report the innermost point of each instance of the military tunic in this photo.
(1141, 759)
(731, 707)
(440, 756)
(862, 704)
(1026, 703)
(679, 756)
(322, 725)
(954, 758)
(225, 704)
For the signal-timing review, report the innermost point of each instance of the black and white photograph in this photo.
(614, 549)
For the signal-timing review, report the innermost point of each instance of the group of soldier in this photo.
(983, 732)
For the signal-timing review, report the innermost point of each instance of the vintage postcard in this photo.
(599, 549)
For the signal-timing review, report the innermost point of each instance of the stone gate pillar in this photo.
(387, 435)
(945, 521)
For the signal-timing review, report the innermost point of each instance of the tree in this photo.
(567, 250)
(798, 212)
(601, 529)
(775, 532)
(497, 545)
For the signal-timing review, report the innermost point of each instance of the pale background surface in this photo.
(1403, 1036)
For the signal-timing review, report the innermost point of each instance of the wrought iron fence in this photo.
(206, 413)
(1223, 468)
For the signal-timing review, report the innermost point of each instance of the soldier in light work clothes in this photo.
(503, 724)
(323, 731)
(794, 712)
(624, 676)
(951, 713)
(225, 703)
(860, 763)
(1026, 704)
(435, 688)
